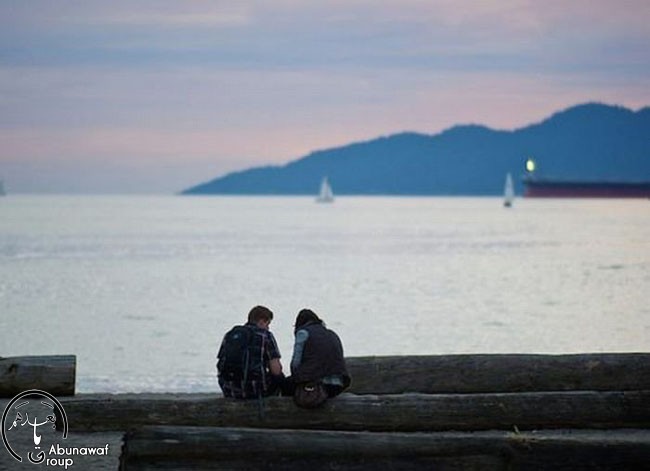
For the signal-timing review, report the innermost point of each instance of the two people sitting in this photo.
(249, 364)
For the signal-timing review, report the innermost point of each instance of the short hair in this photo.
(305, 316)
(260, 313)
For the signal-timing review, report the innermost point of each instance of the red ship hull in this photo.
(536, 188)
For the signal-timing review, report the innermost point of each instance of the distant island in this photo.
(585, 142)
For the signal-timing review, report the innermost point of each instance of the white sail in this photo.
(508, 192)
(325, 195)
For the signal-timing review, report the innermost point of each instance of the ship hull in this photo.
(572, 189)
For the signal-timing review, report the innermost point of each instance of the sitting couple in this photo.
(249, 359)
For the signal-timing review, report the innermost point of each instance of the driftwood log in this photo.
(404, 374)
(398, 413)
(499, 373)
(54, 374)
(241, 448)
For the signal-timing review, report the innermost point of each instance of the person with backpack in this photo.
(318, 367)
(248, 362)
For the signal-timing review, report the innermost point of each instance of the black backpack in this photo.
(234, 359)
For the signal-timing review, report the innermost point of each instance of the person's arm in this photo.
(298, 349)
(273, 354)
(275, 366)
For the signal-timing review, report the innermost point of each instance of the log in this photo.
(403, 413)
(54, 374)
(499, 373)
(402, 374)
(242, 448)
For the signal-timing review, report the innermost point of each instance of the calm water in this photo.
(142, 289)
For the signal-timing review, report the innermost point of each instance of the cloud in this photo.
(236, 83)
(424, 34)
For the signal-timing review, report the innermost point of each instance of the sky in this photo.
(154, 96)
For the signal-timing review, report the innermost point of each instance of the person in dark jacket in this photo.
(318, 355)
(249, 359)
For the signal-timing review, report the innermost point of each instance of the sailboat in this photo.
(508, 192)
(2, 188)
(325, 195)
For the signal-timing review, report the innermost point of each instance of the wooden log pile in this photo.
(460, 412)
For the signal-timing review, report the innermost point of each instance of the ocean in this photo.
(142, 288)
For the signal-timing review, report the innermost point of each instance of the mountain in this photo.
(590, 141)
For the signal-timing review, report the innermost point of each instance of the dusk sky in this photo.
(154, 96)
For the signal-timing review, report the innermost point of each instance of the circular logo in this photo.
(33, 412)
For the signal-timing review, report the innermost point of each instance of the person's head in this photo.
(305, 316)
(260, 316)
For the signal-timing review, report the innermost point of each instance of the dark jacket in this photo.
(261, 348)
(322, 356)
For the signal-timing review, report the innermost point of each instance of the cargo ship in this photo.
(542, 187)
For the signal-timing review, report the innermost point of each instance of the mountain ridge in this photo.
(585, 141)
